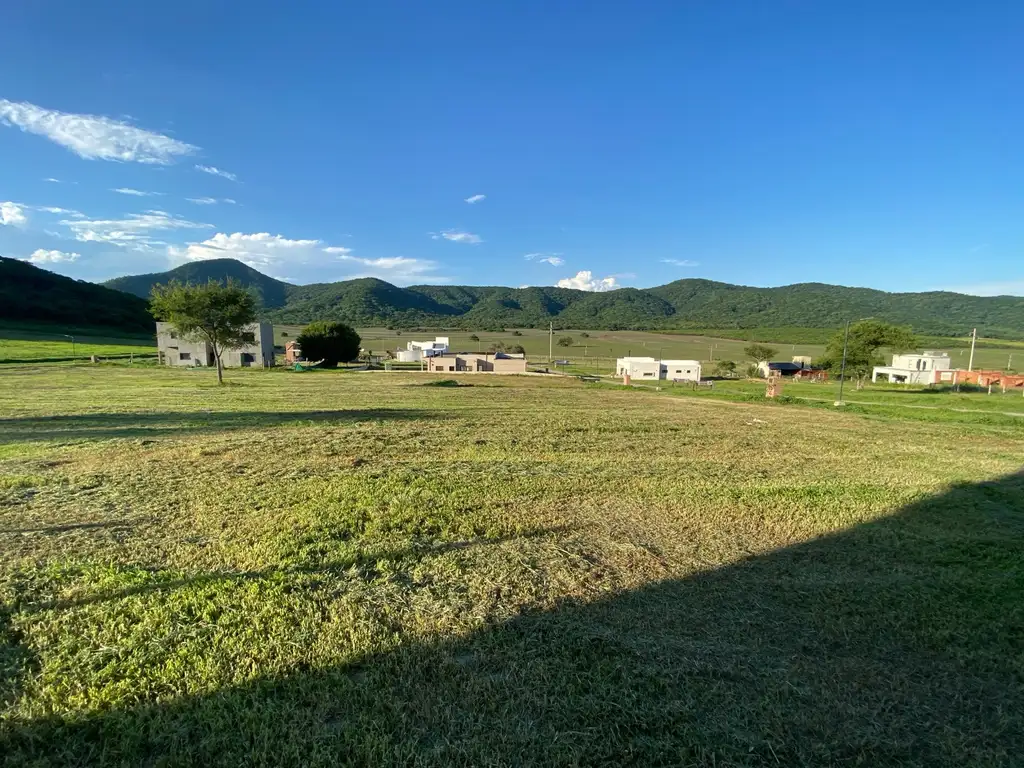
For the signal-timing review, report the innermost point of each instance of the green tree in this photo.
(517, 333)
(725, 368)
(517, 349)
(565, 341)
(329, 342)
(759, 352)
(497, 346)
(474, 337)
(867, 338)
(584, 335)
(217, 314)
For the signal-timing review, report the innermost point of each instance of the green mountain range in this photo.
(31, 294)
(678, 305)
(28, 293)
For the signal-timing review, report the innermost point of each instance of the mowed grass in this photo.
(18, 343)
(357, 569)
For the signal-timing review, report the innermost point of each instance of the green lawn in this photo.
(40, 342)
(348, 568)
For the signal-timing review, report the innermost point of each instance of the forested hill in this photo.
(31, 294)
(679, 305)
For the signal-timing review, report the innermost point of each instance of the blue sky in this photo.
(603, 144)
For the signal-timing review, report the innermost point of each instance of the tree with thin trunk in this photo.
(217, 314)
(866, 339)
(759, 353)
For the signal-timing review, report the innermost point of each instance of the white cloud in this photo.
(998, 288)
(554, 259)
(94, 137)
(457, 237)
(401, 269)
(681, 262)
(210, 200)
(276, 254)
(40, 256)
(55, 209)
(13, 215)
(134, 192)
(585, 281)
(258, 250)
(475, 199)
(132, 232)
(214, 171)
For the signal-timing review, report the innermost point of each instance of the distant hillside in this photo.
(31, 294)
(681, 305)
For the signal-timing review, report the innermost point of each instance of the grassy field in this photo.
(36, 343)
(331, 568)
(597, 352)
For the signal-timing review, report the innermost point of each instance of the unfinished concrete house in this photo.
(173, 350)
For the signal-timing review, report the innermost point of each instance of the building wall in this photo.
(177, 351)
(921, 362)
(472, 363)
(680, 370)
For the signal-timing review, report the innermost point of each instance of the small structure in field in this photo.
(651, 368)
(473, 362)
(799, 368)
(172, 350)
(923, 368)
(293, 353)
(421, 350)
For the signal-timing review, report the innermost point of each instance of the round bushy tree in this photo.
(329, 342)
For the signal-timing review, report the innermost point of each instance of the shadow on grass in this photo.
(897, 642)
(55, 529)
(159, 423)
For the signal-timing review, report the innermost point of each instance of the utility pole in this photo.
(551, 340)
(1009, 362)
(842, 370)
(69, 336)
(974, 338)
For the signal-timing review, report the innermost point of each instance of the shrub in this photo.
(565, 341)
(329, 342)
(474, 337)
(517, 349)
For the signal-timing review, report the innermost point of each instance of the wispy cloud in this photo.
(210, 200)
(978, 248)
(584, 280)
(214, 171)
(58, 181)
(61, 211)
(681, 262)
(135, 192)
(554, 259)
(457, 237)
(13, 214)
(475, 199)
(278, 254)
(94, 137)
(133, 232)
(40, 256)
(995, 288)
(394, 269)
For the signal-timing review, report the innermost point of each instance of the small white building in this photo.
(651, 368)
(923, 368)
(420, 350)
(680, 370)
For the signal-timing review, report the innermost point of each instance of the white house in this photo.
(680, 370)
(651, 368)
(418, 350)
(920, 368)
(638, 367)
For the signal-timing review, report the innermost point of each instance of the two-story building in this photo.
(175, 350)
(421, 350)
(914, 368)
